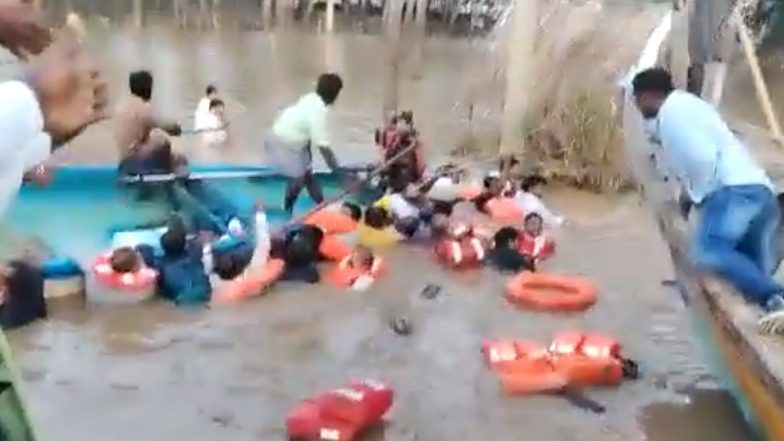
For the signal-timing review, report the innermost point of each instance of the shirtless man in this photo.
(142, 136)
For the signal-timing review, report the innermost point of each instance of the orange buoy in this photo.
(551, 292)
(250, 284)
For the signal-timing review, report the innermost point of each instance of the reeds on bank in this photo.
(571, 131)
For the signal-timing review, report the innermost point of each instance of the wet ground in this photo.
(155, 372)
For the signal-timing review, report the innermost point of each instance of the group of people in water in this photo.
(64, 93)
(406, 203)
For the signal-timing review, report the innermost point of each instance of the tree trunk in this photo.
(519, 74)
(392, 24)
(138, 13)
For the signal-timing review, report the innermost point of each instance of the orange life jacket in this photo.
(504, 209)
(587, 359)
(331, 221)
(573, 359)
(465, 252)
(539, 248)
(344, 274)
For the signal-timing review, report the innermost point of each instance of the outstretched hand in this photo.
(72, 91)
(20, 33)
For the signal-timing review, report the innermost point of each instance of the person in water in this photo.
(182, 277)
(529, 199)
(227, 266)
(141, 135)
(533, 242)
(377, 229)
(202, 112)
(21, 294)
(298, 129)
(300, 251)
(505, 256)
(733, 195)
(213, 124)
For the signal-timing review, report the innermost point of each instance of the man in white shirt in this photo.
(296, 130)
(203, 108)
(734, 198)
(61, 96)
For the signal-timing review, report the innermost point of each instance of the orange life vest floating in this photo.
(504, 209)
(331, 221)
(538, 248)
(551, 292)
(340, 414)
(573, 359)
(345, 275)
(140, 280)
(250, 284)
(588, 359)
(499, 352)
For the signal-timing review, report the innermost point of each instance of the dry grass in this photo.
(571, 130)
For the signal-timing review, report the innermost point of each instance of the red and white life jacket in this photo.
(538, 248)
(465, 252)
(340, 414)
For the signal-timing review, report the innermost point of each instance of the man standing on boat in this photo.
(297, 129)
(734, 198)
(142, 136)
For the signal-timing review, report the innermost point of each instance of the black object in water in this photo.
(401, 326)
(431, 291)
(579, 399)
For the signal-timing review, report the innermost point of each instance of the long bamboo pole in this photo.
(759, 81)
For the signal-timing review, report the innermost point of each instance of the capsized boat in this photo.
(74, 218)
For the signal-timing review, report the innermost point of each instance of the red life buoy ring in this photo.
(138, 281)
(551, 292)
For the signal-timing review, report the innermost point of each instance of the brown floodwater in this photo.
(153, 372)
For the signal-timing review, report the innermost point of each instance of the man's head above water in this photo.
(651, 88)
(140, 84)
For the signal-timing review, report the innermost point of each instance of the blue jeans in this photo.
(735, 238)
(204, 207)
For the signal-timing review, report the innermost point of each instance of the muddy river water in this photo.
(154, 372)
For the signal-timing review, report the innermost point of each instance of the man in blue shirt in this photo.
(734, 198)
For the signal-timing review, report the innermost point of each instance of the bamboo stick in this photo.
(759, 81)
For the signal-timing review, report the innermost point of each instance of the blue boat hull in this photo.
(76, 216)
